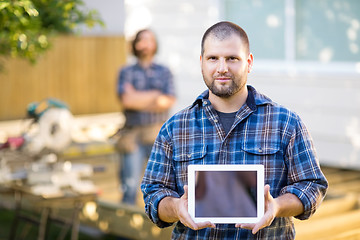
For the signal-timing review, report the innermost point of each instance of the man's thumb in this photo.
(267, 191)
(185, 196)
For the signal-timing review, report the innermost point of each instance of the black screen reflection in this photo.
(225, 194)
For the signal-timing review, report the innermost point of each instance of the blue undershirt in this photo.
(226, 120)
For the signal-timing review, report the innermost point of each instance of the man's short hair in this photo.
(223, 30)
(136, 40)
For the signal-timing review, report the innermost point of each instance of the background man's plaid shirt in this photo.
(156, 77)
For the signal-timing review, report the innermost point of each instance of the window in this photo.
(328, 30)
(263, 20)
(304, 30)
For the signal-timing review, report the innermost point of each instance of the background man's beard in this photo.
(143, 54)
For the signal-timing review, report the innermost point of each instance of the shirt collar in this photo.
(254, 98)
(152, 65)
(203, 97)
(250, 101)
(259, 98)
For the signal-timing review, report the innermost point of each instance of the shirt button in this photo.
(205, 102)
(260, 150)
(189, 155)
(215, 120)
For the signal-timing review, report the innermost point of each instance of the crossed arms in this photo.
(149, 100)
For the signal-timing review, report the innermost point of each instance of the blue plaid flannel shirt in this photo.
(156, 77)
(263, 133)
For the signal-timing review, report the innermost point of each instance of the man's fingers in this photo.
(186, 219)
(267, 219)
(185, 196)
(188, 222)
(248, 226)
(257, 227)
(267, 192)
(205, 225)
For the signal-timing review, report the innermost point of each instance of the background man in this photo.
(146, 91)
(232, 123)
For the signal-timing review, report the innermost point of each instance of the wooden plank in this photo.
(349, 235)
(80, 71)
(329, 170)
(342, 177)
(346, 187)
(333, 207)
(330, 226)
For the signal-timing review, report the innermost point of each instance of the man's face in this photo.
(225, 65)
(146, 46)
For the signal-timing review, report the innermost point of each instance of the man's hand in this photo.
(176, 209)
(287, 205)
(184, 216)
(271, 210)
(129, 88)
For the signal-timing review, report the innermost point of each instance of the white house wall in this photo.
(112, 13)
(328, 100)
(328, 104)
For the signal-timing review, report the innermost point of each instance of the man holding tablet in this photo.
(232, 124)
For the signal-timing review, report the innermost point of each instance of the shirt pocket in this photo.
(261, 148)
(270, 154)
(189, 155)
(266, 152)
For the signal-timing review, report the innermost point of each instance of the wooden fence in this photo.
(81, 71)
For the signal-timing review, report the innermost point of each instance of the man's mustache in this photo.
(224, 76)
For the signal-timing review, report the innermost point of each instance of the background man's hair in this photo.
(136, 40)
(223, 30)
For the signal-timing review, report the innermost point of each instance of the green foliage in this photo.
(26, 26)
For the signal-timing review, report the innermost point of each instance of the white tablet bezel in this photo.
(233, 167)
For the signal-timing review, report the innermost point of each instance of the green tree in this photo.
(26, 26)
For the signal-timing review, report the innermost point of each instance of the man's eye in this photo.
(233, 59)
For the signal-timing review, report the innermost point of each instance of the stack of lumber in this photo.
(338, 218)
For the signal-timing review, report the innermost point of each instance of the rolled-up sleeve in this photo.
(159, 178)
(305, 178)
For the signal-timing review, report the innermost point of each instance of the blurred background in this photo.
(306, 57)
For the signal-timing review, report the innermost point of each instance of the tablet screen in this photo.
(226, 193)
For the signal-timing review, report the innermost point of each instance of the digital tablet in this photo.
(226, 193)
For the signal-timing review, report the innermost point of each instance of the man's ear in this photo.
(250, 61)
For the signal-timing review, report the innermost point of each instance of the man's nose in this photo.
(222, 66)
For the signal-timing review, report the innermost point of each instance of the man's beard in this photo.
(222, 90)
(142, 54)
